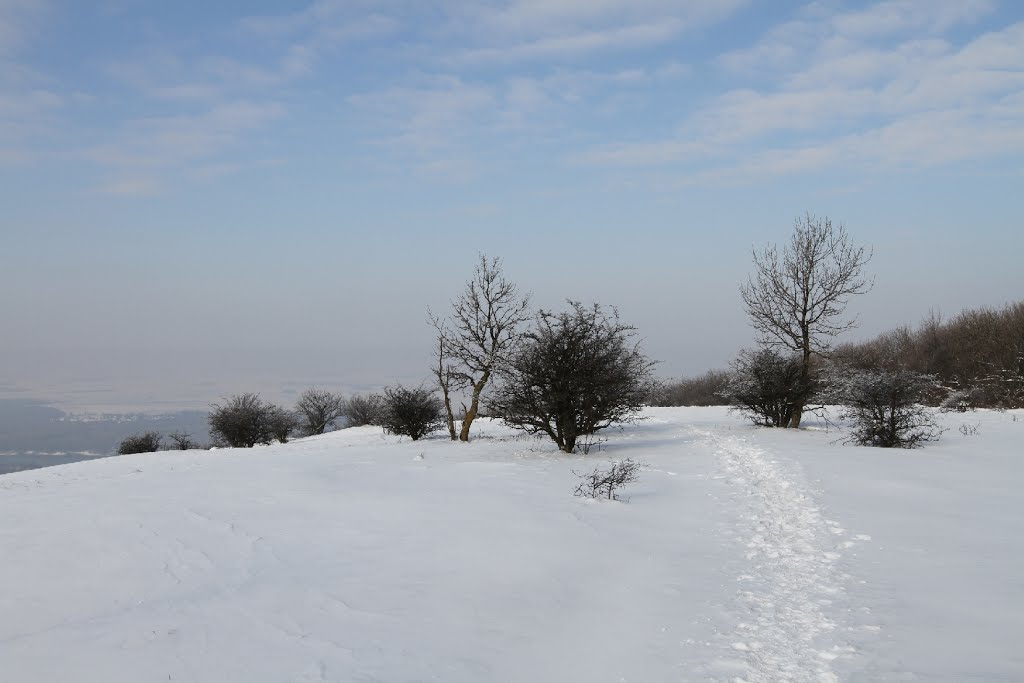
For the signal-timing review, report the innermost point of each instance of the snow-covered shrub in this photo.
(412, 412)
(573, 374)
(768, 387)
(884, 406)
(147, 442)
(242, 422)
(365, 409)
(606, 483)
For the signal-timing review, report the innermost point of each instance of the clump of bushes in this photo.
(606, 483)
(319, 409)
(885, 407)
(365, 409)
(704, 390)
(413, 412)
(146, 442)
(573, 374)
(245, 420)
(769, 387)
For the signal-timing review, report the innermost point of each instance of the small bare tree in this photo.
(412, 412)
(484, 327)
(183, 441)
(364, 409)
(319, 409)
(606, 483)
(147, 442)
(574, 374)
(449, 378)
(281, 422)
(796, 299)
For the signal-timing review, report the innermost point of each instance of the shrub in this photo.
(319, 409)
(363, 410)
(605, 483)
(884, 407)
(242, 422)
(704, 390)
(573, 374)
(412, 412)
(147, 442)
(768, 387)
(183, 441)
(281, 423)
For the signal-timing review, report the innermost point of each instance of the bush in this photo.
(412, 412)
(364, 410)
(183, 441)
(884, 407)
(768, 387)
(281, 423)
(147, 442)
(319, 409)
(573, 374)
(242, 422)
(605, 483)
(704, 390)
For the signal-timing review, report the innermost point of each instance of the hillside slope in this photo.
(741, 555)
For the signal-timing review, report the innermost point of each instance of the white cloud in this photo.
(832, 99)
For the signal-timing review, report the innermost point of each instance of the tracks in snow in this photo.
(790, 580)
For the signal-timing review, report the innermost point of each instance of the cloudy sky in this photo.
(202, 198)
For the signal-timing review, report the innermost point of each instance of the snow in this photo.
(741, 554)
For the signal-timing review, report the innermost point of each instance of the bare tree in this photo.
(884, 406)
(147, 442)
(574, 374)
(319, 409)
(485, 326)
(243, 421)
(281, 422)
(796, 299)
(183, 441)
(364, 409)
(606, 483)
(411, 412)
(767, 386)
(449, 378)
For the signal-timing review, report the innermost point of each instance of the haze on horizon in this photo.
(206, 198)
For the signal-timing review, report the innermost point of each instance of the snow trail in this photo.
(791, 580)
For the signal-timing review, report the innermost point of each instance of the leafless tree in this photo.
(606, 483)
(412, 412)
(574, 374)
(767, 386)
(484, 327)
(281, 422)
(884, 406)
(796, 299)
(242, 421)
(183, 441)
(364, 409)
(446, 371)
(319, 409)
(147, 442)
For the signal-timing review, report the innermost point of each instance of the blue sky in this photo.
(227, 194)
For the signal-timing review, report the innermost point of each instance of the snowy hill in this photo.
(741, 555)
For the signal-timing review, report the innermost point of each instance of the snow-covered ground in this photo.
(741, 555)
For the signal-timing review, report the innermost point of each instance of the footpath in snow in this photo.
(741, 555)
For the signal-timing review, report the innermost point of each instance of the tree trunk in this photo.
(449, 416)
(474, 405)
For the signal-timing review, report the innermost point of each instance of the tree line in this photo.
(572, 373)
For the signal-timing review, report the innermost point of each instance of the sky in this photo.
(206, 198)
